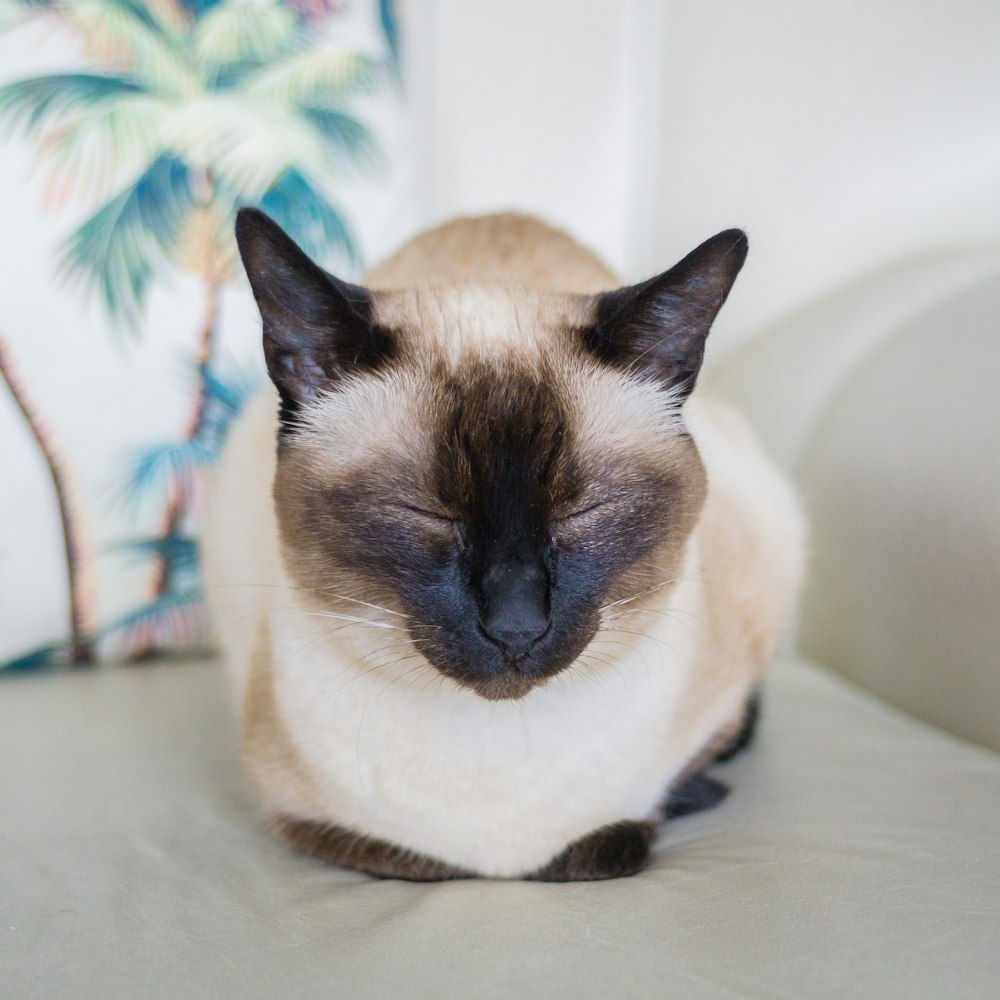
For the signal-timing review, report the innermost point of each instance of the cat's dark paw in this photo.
(694, 794)
(348, 849)
(614, 851)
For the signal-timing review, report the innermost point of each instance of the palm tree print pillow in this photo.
(131, 133)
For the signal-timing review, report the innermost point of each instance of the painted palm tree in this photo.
(79, 650)
(191, 108)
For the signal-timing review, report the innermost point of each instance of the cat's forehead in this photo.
(455, 322)
(549, 399)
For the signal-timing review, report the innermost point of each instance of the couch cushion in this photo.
(856, 856)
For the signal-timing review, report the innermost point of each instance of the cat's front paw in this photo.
(613, 851)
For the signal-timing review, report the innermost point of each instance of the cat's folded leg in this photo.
(365, 854)
(613, 851)
(744, 734)
(694, 794)
(698, 791)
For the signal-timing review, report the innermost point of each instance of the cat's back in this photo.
(505, 248)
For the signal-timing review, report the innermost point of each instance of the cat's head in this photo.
(495, 466)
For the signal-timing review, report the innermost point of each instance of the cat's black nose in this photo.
(515, 614)
(516, 641)
(519, 635)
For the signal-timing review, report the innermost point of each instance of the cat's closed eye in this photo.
(582, 512)
(437, 516)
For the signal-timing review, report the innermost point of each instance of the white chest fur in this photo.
(407, 756)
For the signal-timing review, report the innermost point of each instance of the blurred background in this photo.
(857, 143)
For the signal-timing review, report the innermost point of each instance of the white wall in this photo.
(525, 105)
(844, 137)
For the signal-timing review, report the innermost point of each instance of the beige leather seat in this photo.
(857, 856)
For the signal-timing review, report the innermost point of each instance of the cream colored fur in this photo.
(398, 752)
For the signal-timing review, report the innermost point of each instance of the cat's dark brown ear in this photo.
(658, 328)
(317, 328)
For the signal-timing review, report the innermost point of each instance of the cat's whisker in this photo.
(424, 625)
(588, 673)
(671, 614)
(668, 611)
(643, 635)
(325, 590)
(367, 604)
(600, 639)
(352, 619)
(635, 597)
(370, 657)
(356, 677)
(602, 657)
(630, 646)
(417, 669)
(399, 677)
(428, 683)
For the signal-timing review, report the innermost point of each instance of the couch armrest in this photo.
(884, 402)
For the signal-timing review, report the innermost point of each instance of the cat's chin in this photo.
(509, 687)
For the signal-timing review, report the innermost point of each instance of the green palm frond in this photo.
(240, 94)
(182, 552)
(300, 207)
(247, 145)
(225, 397)
(230, 392)
(312, 77)
(176, 618)
(390, 29)
(36, 100)
(94, 128)
(118, 248)
(138, 37)
(344, 132)
(169, 16)
(99, 146)
(198, 8)
(44, 656)
(231, 34)
(159, 469)
(165, 468)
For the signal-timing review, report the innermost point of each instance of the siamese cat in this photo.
(495, 588)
